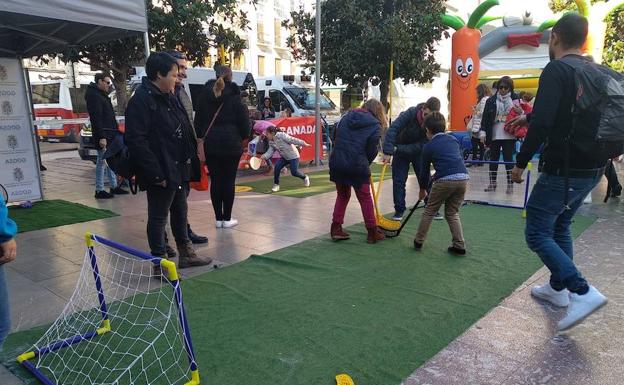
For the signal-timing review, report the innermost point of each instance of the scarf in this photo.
(503, 106)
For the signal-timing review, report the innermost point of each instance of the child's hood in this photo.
(359, 118)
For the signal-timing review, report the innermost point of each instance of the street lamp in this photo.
(317, 71)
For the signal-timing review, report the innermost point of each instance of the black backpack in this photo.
(598, 111)
(118, 159)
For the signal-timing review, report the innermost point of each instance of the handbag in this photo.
(201, 154)
(204, 182)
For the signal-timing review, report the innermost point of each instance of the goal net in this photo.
(490, 184)
(121, 326)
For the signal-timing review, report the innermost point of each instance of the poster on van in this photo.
(19, 167)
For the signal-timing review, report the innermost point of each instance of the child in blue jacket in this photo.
(449, 184)
(8, 251)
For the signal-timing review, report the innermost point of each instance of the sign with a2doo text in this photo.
(18, 160)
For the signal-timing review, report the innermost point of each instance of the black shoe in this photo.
(417, 245)
(196, 239)
(118, 191)
(103, 195)
(616, 191)
(456, 250)
(171, 253)
(157, 272)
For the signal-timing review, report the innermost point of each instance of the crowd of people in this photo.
(163, 137)
(573, 162)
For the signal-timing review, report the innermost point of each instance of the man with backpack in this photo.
(403, 143)
(579, 139)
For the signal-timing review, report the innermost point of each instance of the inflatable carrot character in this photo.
(465, 62)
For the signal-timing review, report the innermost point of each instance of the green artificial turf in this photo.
(303, 314)
(319, 183)
(53, 213)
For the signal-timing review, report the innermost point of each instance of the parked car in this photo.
(87, 148)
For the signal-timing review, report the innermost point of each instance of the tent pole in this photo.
(147, 45)
(31, 118)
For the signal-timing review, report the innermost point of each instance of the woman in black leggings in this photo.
(495, 114)
(223, 119)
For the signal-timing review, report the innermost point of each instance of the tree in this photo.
(359, 38)
(191, 26)
(613, 54)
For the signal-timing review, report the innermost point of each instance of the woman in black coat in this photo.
(493, 121)
(223, 144)
(159, 138)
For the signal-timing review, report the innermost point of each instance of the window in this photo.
(279, 101)
(305, 98)
(278, 33)
(261, 71)
(77, 96)
(239, 61)
(261, 33)
(46, 93)
(278, 66)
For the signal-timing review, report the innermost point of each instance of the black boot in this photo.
(196, 239)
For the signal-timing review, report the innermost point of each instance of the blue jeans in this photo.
(548, 227)
(5, 314)
(100, 167)
(294, 169)
(400, 171)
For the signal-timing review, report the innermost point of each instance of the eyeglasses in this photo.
(109, 83)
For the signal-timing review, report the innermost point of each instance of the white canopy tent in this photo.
(37, 27)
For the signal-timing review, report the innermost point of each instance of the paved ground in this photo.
(513, 344)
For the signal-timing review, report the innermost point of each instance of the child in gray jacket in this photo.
(285, 144)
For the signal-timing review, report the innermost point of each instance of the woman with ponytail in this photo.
(222, 120)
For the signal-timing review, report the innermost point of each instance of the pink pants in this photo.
(363, 194)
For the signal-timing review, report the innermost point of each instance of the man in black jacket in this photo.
(103, 129)
(404, 142)
(185, 102)
(573, 165)
(161, 146)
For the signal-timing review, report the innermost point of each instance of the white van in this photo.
(297, 93)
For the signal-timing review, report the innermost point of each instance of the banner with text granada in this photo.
(304, 128)
(19, 168)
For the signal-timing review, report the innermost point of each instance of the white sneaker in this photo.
(219, 224)
(306, 181)
(229, 224)
(438, 217)
(275, 188)
(580, 307)
(547, 293)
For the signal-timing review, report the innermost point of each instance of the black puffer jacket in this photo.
(158, 136)
(355, 147)
(231, 125)
(101, 114)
